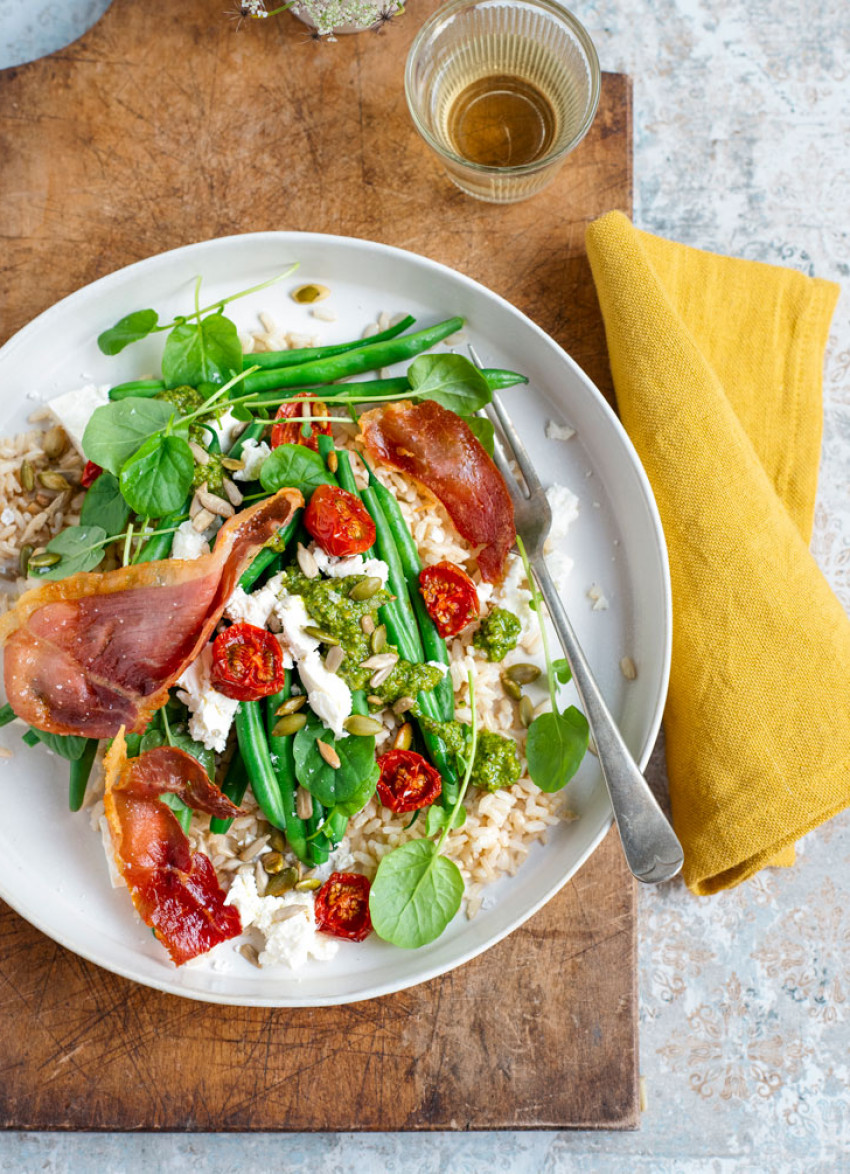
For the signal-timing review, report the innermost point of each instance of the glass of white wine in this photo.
(502, 90)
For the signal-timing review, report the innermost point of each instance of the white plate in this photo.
(617, 542)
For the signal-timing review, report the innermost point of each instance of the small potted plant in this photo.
(329, 17)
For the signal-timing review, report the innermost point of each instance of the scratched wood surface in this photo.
(164, 126)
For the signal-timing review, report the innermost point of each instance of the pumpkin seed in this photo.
(232, 464)
(307, 561)
(404, 737)
(306, 295)
(378, 641)
(303, 803)
(333, 462)
(365, 589)
(526, 711)
(55, 442)
(249, 953)
(367, 623)
(290, 723)
(282, 882)
(24, 558)
(308, 885)
(320, 634)
(27, 476)
(334, 659)
(328, 753)
(273, 863)
(51, 480)
(362, 726)
(511, 687)
(277, 841)
(292, 705)
(47, 558)
(403, 705)
(523, 674)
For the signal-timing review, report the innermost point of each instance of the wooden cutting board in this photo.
(164, 126)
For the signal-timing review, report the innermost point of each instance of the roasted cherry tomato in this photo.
(90, 474)
(342, 906)
(295, 415)
(450, 597)
(339, 521)
(407, 781)
(247, 663)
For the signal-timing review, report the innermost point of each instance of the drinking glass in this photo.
(502, 91)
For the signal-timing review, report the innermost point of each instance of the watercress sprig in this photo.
(556, 741)
(417, 891)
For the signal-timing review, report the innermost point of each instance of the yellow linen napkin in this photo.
(717, 365)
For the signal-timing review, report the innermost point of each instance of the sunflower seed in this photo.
(365, 589)
(55, 442)
(249, 953)
(374, 699)
(367, 623)
(306, 295)
(195, 506)
(282, 882)
(403, 705)
(526, 711)
(202, 521)
(47, 558)
(199, 452)
(253, 849)
(320, 634)
(378, 678)
(290, 723)
(27, 476)
(273, 863)
(404, 737)
(334, 659)
(510, 687)
(333, 462)
(628, 668)
(307, 561)
(362, 726)
(328, 753)
(303, 803)
(233, 494)
(308, 885)
(24, 558)
(232, 464)
(215, 504)
(523, 674)
(291, 705)
(381, 661)
(51, 480)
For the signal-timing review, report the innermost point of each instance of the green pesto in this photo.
(407, 680)
(212, 472)
(496, 763)
(498, 634)
(185, 399)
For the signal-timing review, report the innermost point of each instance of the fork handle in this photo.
(652, 851)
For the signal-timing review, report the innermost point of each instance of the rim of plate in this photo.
(377, 990)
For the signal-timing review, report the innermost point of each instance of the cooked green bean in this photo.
(293, 358)
(234, 787)
(254, 748)
(269, 553)
(137, 389)
(7, 714)
(79, 775)
(284, 767)
(497, 380)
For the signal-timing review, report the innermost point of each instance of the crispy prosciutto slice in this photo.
(175, 891)
(438, 448)
(94, 652)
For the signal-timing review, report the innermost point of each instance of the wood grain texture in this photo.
(163, 126)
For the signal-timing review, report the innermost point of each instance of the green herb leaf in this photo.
(153, 738)
(116, 430)
(358, 800)
(333, 786)
(450, 380)
(157, 478)
(67, 746)
(415, 894)
(130, 329)
(294, 466)
(208, 351)
(438, 817)
(562, 670)
(81, 548)
(104, 506)
(484, 432)
(555, 746)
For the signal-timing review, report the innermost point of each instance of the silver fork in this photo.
(652, 851)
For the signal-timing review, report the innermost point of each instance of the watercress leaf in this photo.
(415, 894)
(555, 746)
(438, 817)
(562, 670)
(484, 432)
(294, 466)
(66, 745)
(240, 412)
(451, 380)
(116, 430)
(81, 548)
(153, 738)
(208, 351)
(104, 506)
(157, 478)
(130, 329)
(331, 785)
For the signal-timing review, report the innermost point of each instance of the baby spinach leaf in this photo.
(156, 479)
(66, 745)
(438, 817)
(415, 894)
(208, 351)
(116, 430)
(451, 380)
(333, 786)
(81, 548)
(129, 329)
(104, 506)
(484, 432)
(153, 738)
(182, 810)
(358, 800)
(295, 466)
(562, 670)
(555, 746)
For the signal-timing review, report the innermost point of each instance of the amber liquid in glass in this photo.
(501, 121)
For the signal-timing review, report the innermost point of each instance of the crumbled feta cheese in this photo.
(211, 712)
(327, 694)
(293, 617)
(226, 429)
(338, 568)
(7, 517)
(254, 453)
(510, 595)
(600, 603)
(485, 592)
(73, 410)
(288, 923)
(559, 565)
(251, 609)
(340, 860)
(188, 543)
(556, 431)
(564, 506)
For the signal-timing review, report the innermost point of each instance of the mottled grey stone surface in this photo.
(742, 142)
